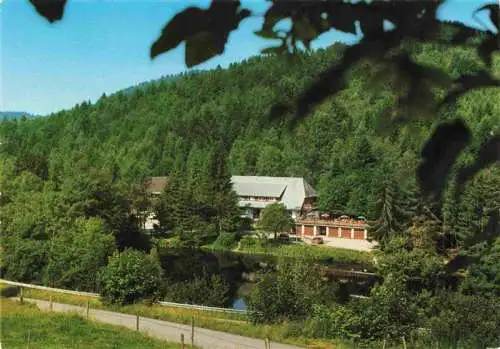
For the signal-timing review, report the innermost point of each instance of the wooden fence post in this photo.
(137, 322)
(21, 296)
(182, 341)
(88, 308)
(51, 303)
(192, 331)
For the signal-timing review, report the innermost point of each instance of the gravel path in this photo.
(170, 331)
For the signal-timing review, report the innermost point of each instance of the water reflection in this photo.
(240, 271)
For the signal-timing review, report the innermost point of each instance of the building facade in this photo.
(300, 199)
(154, 187)
(336, 231)
(343, 227)
(257, 192)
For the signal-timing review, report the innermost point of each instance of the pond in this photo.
(239, 271)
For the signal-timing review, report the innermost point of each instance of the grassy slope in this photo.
(20, 322)
(231, 323)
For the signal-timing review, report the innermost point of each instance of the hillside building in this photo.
(300, 199)
(256, 192)
(154, 187)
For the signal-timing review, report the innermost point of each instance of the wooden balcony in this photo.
(346, 223)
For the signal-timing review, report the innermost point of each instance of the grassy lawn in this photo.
(50, 330)
(153, 311)
(24, 326)
(227, 322)
(334, 255)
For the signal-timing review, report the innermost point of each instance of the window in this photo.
(321, 231)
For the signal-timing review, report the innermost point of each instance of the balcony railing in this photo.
(333, 222)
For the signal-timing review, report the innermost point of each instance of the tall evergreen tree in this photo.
(481, 198)
(224, 199)
(392, 216)
(169, 207)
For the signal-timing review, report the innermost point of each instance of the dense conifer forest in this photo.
(344, 148)
(75, 178)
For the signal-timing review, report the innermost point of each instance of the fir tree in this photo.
(392, 215)
(224, 199)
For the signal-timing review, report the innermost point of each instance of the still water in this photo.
(239, 271)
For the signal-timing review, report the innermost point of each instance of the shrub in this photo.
(248, 241)
(244, 224)
(390, 311)
(206, 290)
(474, 321)
(287, 294)
(72, 264)
(337, 322)
(225, 240)
(131, 275)
(173, 242)
(9, 291)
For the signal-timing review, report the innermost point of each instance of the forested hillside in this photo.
(89, 162)
(13, 115)
(339, 149)
(72, 193)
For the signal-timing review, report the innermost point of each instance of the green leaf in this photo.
(204, 31)
(183, 25)
(463, 34)
(304, 30)
(494, 13)
(486, 49)
(420, 72)
(277, 12)
(467, 83)
(342, 17)
(52, 10)
(202, 47)
(267, 34)
(488, 155)
(329, 82)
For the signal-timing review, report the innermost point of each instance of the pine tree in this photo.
(224, 199)
(482, 197)
(392, 215)
(425, 226)
(170, 207)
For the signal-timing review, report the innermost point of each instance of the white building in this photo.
(154, 187)
(256, 192)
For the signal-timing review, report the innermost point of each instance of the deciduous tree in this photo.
(275, 219)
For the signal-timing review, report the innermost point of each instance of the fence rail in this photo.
(44, 288)
(202, 307)
(95, 295)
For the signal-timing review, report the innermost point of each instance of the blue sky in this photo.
(103, 46)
